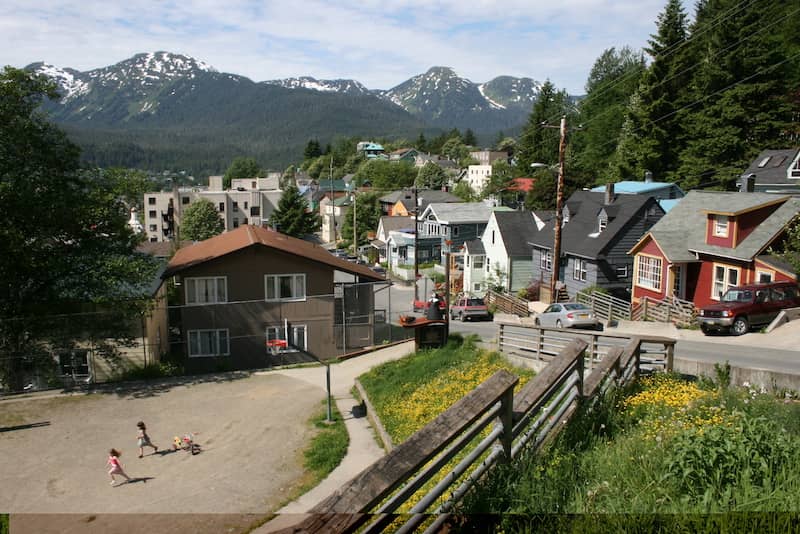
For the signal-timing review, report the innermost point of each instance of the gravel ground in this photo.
(53, 452)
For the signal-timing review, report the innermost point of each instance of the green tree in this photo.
(241, 168)
(539, 144)
(288, 177)
(385, 175)
(790, 248)
(469, 138)
(312, 149)
(543, 194)
(201, 221)
(422, 143)
(501, 179)
(292, 216)
(64, 241)
(454, 149)
(431, 176)
(368, 215)
(612, 80)
(130, 185)
(463, 191)
(653, 132)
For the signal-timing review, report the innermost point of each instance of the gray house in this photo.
(456, 222)
(598, 230)
(773, 171)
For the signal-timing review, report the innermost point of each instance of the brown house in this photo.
(254, 298)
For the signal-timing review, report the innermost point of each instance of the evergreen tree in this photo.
(431, 176)
(201, 221)
(463, 191)
(538, 144)
(422, 143)
(292, 216)
(612, 80)
(469, 138)
(543, 194)
(739, 93)
(368, 215)
(654, 129)
(312, 149)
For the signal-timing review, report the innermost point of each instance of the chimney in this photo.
(609, 196)
(648, 177)
(748, 183)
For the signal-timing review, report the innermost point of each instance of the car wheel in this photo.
(461, 317)
(536, 322)
(740, 326)
(705, 330)
(558, 323)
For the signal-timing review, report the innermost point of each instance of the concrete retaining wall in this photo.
(770, 380)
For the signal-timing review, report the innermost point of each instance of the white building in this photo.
(478, 176)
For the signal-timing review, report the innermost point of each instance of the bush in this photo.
(150, 372)
(531, 292)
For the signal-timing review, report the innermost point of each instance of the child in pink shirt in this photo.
(115, 466)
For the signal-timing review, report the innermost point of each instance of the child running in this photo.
(144, 439)
(116, 466)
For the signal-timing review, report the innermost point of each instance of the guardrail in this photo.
(541, 344)
(527, 419)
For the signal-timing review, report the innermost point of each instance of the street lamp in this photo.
(559, 208)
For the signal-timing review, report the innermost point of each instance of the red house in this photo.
(711, 241)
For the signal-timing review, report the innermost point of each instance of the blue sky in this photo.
(379, 43)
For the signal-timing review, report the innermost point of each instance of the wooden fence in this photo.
(668, 310)
(605, 306)
(370, 501)
(539, 345)
(507, 303)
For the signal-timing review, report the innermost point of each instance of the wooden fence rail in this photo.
(668, 310)
(520, 421)
(605, 306)
(507, 303)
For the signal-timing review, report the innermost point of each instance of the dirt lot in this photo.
(53, 451)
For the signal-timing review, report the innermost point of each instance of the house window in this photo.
(255, 211)
(236, 223)
(235, 206)
(208, 343)
(546, 260)
(622, 272)
(724, 278)
(764, 161)
(488, 263)
(184, 200)
(285, 287)
(151, 201)
(210, 290)
(565, 216)
(151, 214)
(763, 276)
(154, 240)
(221, 206)
(720, 226)
(649, 273)
(252, 185)
(466, 262)
(297, 341)
(602, 222)
(455, 231)
(579, 270)
(477, 286)
(245, 204)
(153, 228)
(477, 263)
(492, 237)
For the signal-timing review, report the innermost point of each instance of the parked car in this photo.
(465, 308)
(568, 315)
(379, 269)
(743, 307)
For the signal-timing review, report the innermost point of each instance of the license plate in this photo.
(583, 315)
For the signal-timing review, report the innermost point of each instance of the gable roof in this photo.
(461, 212)
(397, 222)
(246, 236)
(682, 231)
(475, 248)
(581, 236)
(771, 166)
(516, 228)
(636, 188)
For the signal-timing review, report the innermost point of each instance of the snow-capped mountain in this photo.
(507, 92)
(351, 87)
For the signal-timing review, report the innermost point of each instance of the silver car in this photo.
(568, 315)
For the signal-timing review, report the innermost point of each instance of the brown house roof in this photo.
(248, 235)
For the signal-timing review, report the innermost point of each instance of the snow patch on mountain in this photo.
(325, 86)
(70, 84)
(492, 103)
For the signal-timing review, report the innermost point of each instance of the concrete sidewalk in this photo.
(363, 449)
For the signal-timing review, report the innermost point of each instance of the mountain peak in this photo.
(325, 86)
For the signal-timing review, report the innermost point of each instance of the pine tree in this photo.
(538, 144)
(469, 138)
(422, 143)
(292, 216)
(739, 93)
(653, 132)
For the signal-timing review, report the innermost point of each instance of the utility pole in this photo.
(416, 256)
(559, 211)
(355, 233)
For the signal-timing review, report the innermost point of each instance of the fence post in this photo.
(540, 344)
(670, 355)
(669, 311)
(580, 366)
(610, 311)
(593, 351)
(500, 337)
(507, 420)
(638, 358)
(644, 309)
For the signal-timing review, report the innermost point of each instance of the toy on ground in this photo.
(186, 443)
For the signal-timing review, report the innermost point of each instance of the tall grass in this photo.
(641, 460)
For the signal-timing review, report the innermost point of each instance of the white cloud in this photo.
(378, 43)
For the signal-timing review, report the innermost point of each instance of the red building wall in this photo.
(650, 248)
(711, 239)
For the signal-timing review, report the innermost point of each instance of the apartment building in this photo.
(238, 206)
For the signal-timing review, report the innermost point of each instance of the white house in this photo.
(478, 176)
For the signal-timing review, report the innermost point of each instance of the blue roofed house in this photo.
(371, 150)
(598, 230)
(667, 194)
